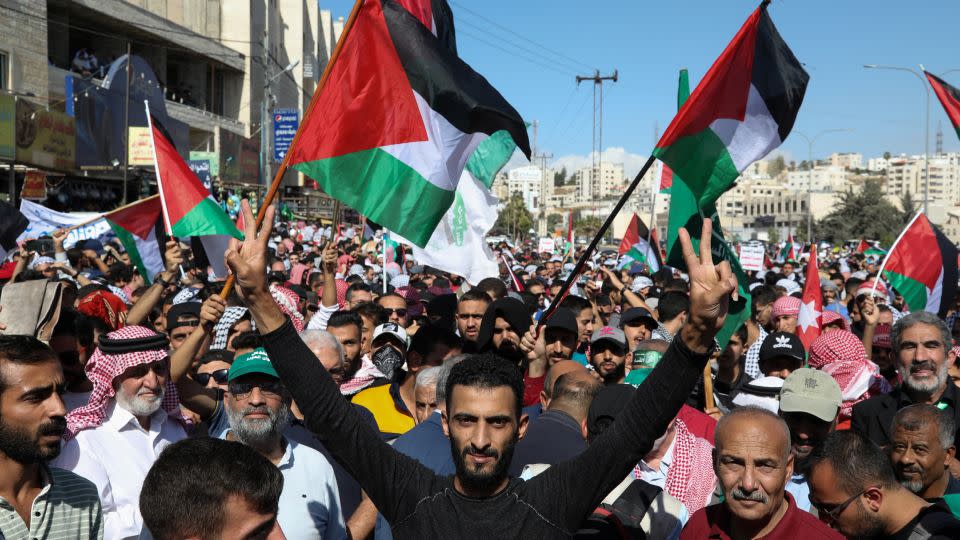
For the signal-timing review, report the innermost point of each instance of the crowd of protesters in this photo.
(334, 394)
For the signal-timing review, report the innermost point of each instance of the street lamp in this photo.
(810, 141)
(264, 118)
(926, 132)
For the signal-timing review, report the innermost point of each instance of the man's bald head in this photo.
(558, 369)
(746, 419)
(573, 392)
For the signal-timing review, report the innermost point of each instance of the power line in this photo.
(564, 65)
(521, 36)
(515, 54)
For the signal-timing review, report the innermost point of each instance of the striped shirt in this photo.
(68, 507)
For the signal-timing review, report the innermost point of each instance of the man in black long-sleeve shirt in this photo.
(483, 419)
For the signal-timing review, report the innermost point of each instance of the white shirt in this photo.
(310, 502)
(116, 457)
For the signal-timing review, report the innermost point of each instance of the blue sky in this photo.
(532, 49)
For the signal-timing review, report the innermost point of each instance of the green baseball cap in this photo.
(255, 361)
(813, 392)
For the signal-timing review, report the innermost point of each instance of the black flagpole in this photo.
(593, 244)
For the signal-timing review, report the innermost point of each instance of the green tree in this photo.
(908, 206)
(554, 221)
(560, 177)
(861, 214)
(586, 226)
(886, 155)
(515, 219)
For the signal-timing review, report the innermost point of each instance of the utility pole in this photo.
(597, 141)
(264, 112)
(540, 160)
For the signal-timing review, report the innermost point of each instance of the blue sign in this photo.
(201, 168)
(285, 123)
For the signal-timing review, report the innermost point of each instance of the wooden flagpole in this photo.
(282, 169)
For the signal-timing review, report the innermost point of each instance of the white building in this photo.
(606, 180)
(847, 160)
(823, 178)
(526, 181)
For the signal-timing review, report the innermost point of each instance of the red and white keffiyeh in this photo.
(786, 305)
(834, 319)
(363, 378)
(103, 368)
(690, 478)
(842, 355)
(287, 301)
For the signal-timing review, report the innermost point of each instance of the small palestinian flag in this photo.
(744, 107)
(862, 246)
(634, 247)
(666, 179)
(139, 227)
(514, 280)
(949, 97)
(397, 119)
(189, 208)
(922, 266)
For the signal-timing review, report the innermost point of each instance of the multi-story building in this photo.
(846, 160)
(598, 183)
(207, 67)
(820, 178)
(528, 182)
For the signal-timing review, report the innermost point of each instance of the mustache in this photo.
(741, 495)
(55, 426)
(488, 452)
(911, 469)
(262, 409)
(923, 365)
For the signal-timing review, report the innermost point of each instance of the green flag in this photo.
(685, 212)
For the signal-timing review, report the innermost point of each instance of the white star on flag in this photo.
(808, 316)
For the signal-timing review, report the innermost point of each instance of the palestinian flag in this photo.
(922, 266)
(397, 118)
(139, 228)
(862, 246)
(514, 280)
(666, 178)
(435, 15)
(189, 208)
(876, 252)
(949, 97)
(634, 247)
(744, 107)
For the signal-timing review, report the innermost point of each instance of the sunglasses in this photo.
(240, 390)
(219, 375)
(830, 512)
(401, 312)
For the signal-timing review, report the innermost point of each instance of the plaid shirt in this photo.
(752, 365)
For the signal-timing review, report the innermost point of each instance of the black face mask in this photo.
(388, 360)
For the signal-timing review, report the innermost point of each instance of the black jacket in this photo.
(874, 417)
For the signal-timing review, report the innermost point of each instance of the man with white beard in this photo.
(258, 409)
(133, 414)
(922, 346)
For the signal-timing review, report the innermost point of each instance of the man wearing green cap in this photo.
(809, 403)
(258, 409)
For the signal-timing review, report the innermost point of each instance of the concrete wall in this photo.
(23, 37)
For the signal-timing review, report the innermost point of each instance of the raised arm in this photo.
(172, 258)
(394, 482)
(609, 459)
(198, 399)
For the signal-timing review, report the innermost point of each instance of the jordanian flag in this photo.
(744, 107)
(949, 97)
(922, 266)
(188, 207)
(397, 118)
(138, 227)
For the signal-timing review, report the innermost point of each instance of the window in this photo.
(4, 63)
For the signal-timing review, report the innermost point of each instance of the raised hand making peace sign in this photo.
(711, 286)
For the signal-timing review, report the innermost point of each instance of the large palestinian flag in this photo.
(138, 227)
(743, 108)
(922, 266)
(949, 97)
(396, 120)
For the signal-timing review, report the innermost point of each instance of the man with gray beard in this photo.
(133, 414)
(258, 409)
(921, 448)
(922, 346)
